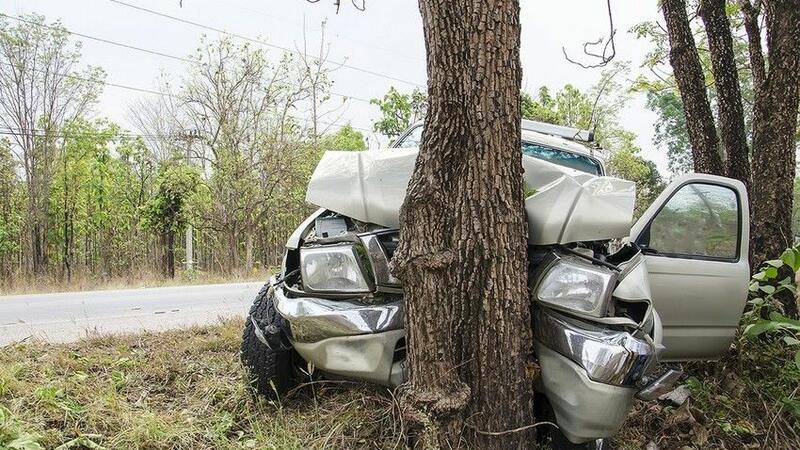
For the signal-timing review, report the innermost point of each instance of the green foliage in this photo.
(627, 164)
(774, 279)
(399, 111)
(670, 129)
(598, 109)
(175, 186)
(11, 197)
(345, 138)
(543, 108)
(13, 435)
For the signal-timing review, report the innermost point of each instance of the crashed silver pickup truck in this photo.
(606, 323)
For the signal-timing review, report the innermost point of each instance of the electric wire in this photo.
(150, 51)
(264, 43)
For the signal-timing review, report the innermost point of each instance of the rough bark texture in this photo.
(774, 127)
(750, 14)
(729, 96)
(462, 254)
(689, 76)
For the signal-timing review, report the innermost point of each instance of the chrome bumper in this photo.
(612, 357)
(313, 319)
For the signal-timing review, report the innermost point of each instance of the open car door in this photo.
(695, 239)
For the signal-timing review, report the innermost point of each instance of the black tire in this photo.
(271, 373)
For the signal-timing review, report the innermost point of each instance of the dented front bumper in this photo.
(345, 337)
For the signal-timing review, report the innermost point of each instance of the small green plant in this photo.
(13, 436)
(765, 287)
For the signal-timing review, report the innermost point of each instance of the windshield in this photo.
(562, 158)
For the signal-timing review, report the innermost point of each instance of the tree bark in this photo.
(774, 127)
(168, 237)
(463, 248)
(729, 97)
(750, 15)
(689, 76)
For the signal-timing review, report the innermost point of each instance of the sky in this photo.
(386, 39)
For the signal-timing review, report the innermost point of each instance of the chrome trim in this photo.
(612, 357)
(660, 386)
(313, 319)
(380, 261)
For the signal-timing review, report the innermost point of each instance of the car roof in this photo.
(562, 144)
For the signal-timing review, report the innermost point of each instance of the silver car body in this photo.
(590, 374)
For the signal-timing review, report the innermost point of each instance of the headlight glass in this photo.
(332, 269)
(573, 284)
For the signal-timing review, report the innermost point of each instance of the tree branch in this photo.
(605, 57)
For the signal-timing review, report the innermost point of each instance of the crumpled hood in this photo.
(567, 206)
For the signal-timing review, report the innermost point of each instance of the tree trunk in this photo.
(691, 84)
(462, 254)
(729, 97)
(774, 127)
(248, 250)
(169, 253)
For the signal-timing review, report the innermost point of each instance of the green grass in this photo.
(175, 390)
(186, 389)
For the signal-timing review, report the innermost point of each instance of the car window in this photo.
(412, 139)
(562, 158)
(700, 220)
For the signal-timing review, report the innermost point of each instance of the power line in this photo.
(165, 94)
(264, 43)
(99, 39)
(149, 51)
(107, 83)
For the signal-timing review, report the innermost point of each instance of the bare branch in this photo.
(338, 4)
(609, 49)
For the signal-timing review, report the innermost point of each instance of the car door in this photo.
(695, 241)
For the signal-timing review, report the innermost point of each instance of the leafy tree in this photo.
(572, 107)
(345, 138)
(543, 108)
(11, 219)
(166, 211)
(399, 111)
(41, 88)
(626, 163)
(81, 203)
(670, 129)
(754, 93)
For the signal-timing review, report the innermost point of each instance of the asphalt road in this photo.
(65, 317)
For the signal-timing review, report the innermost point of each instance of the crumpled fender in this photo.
(567, 205)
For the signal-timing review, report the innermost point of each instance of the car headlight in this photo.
(332, 269)
(575, 285)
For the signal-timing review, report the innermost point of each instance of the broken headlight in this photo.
(333, 269)
(573, 284)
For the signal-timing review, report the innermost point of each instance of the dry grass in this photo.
(750, 399)
(186, 389)
(143, 279)
(176, 390)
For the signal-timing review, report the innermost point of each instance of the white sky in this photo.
(386, 38)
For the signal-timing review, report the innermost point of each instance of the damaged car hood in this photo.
(567, 205)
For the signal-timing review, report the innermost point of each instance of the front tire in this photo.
(271, 373)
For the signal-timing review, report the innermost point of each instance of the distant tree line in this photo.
(227, 149)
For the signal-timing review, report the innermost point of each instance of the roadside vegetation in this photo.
(175, 390)
(186, 389)
(133, 280)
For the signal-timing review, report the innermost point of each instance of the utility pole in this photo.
(188, 138)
